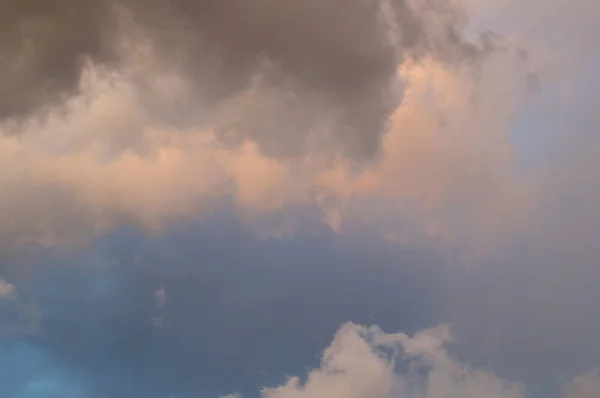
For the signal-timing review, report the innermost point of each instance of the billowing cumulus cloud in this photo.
(107, 160)
(360, 362)
(323, 70)
(156, 111)
(244, 312)
(149, 112)
(364, 361)
(394, 120)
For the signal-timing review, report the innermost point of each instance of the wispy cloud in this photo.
(6, 289)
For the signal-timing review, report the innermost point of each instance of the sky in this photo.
(299, 199)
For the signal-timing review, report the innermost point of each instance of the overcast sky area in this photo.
(299, 199)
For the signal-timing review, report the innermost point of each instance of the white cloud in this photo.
(363, 362)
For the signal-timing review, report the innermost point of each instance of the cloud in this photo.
(107, 161)
(290, 68)
(366, 362)
(44, 49)
(584, 386)
(448, 166)
(170, 117)
(550, 269)
(270, 305)
(241, 318)
(189, 107)
(6, 289)
(363, 362)
(159, 321)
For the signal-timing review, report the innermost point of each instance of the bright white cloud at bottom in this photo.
(365, 362)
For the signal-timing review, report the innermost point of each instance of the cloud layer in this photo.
(154, 113)
(325, 69)
(107, 160)
(151, 112)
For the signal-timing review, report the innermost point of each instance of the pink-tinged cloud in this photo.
(412, 112)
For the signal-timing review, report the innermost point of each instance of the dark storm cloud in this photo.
(43, 48)
(328, 67)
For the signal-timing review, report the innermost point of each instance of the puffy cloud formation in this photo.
(320, 65)
(105, 159)
(150, 112)
(157, 111)
(398, 115)
(242, 319)
(242, 311)
(364, 362)
(360, 362)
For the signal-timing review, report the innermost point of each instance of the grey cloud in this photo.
(44, 49)
(327, 67)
